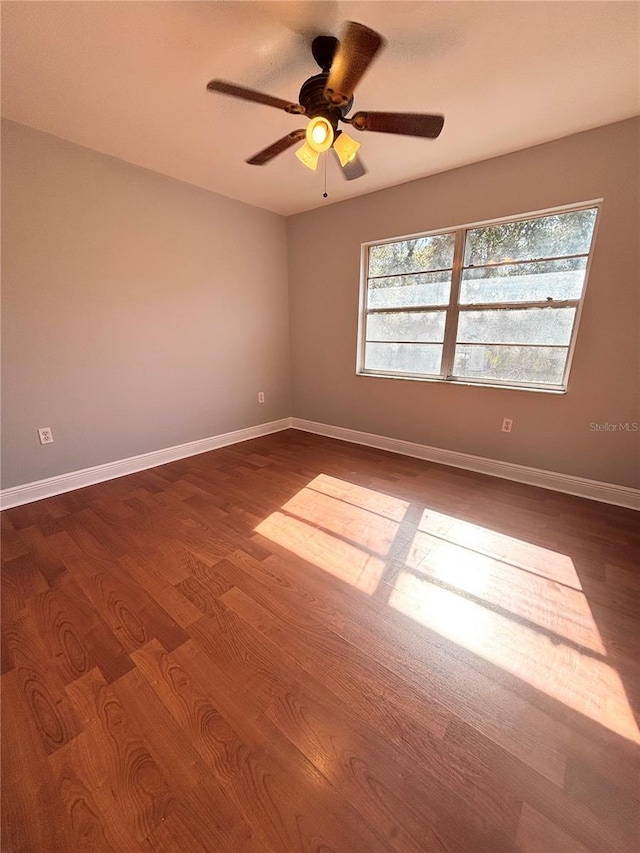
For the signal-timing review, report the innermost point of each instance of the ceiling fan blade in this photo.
(357, 49)
(276, 148)
(353, 169)
(251, 95)
(406, 124)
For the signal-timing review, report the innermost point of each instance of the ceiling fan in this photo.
(326, 98)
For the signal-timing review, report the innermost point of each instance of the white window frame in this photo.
(453, 308)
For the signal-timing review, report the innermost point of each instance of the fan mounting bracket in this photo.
(314, 103)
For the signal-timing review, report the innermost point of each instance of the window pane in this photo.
(517, 326)
(414, 326)
(546, 237)
(408, 290)
(537, 365)
(423, 253)
(404, 358)
(524, 282)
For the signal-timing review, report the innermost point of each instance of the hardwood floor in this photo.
(296, 644)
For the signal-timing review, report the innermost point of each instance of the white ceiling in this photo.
(129, 79)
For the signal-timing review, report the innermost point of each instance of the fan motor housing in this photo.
(313, 100)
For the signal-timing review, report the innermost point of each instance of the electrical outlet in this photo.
(46, 436)
(261, 396)
(507, 423)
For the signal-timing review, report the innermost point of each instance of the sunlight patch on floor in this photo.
(341, 559)
(513, 603)
(343, 528)
(376, 502)
(582, 682)
(518, 589)
(360, 526)
(533, 558)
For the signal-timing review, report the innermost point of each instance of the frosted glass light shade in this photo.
(346, 148)
(308, 156)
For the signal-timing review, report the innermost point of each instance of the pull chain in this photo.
(324, 194)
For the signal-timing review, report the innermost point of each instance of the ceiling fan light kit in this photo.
(327, 98)
(320, 134)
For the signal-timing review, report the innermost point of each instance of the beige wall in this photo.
(550, 431)
(138, 312)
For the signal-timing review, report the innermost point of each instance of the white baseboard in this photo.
(99, 473)
(566, 483)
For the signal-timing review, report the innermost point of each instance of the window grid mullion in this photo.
(451, 326)
(409, 309)
(524, 261)
(510, 344)
(404, 274)
(409, 343)
(476, 306)
(518, 306)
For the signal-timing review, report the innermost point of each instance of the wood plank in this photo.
(21, 579)
(202, 816)
(49, 562)
(32, 814)
(606, 800)
(537, 834)
(76, 635)
(133, 616)
(13, 544)
(110, 758)
(571, 817)
(41, 685)
(143, 569)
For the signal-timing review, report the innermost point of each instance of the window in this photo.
(495, 303)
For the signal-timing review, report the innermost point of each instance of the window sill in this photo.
(464, 382)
